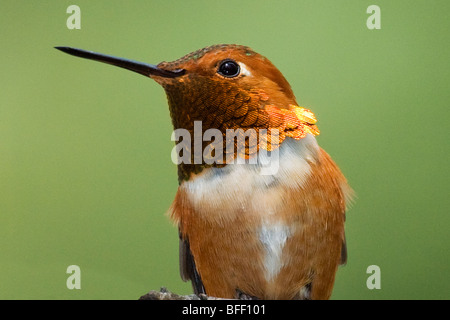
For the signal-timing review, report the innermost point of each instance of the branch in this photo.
(165, 294)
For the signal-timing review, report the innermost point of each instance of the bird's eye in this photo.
(229, 68)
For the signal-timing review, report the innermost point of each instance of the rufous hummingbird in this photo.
(244, 234)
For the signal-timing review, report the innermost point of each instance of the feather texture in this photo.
(271, 237)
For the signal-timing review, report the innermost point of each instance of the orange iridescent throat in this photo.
(294, 122)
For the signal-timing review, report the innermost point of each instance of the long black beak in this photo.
(136, 66)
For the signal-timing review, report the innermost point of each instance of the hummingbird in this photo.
(244, 234)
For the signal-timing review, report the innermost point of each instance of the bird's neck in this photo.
(288, 166)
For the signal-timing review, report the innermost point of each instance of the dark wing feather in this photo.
(344, 252)
(188, 271)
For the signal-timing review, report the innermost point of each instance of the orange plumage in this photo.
(244, 232)
(294, 250)
(229, 253)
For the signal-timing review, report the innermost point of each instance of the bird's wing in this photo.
(343, 252)
(188, 271)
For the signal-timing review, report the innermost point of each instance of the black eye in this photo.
(228, 68)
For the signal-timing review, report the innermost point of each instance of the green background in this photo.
(85, 170)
